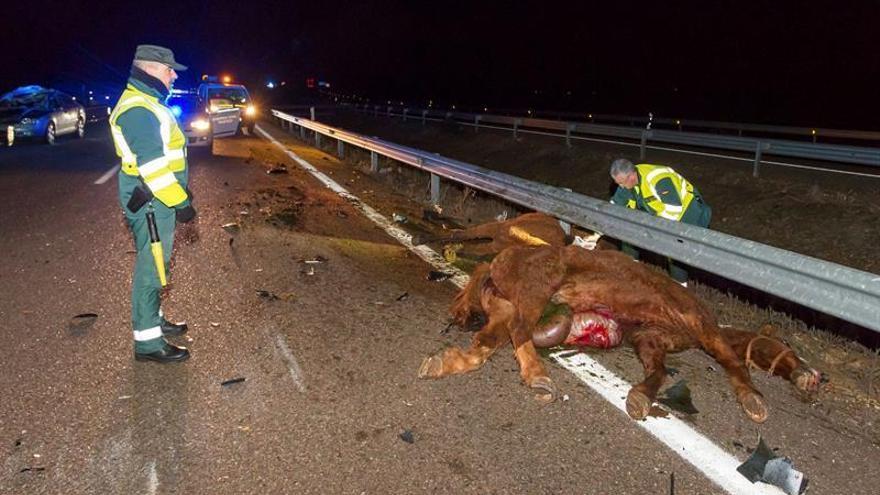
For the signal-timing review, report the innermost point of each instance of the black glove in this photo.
(185, 214)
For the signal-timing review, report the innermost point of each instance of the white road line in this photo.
(710, 459)
(292, 365)
(152, 478)
(104, 178)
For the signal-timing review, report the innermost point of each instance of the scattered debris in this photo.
(447, 327)
(502, 216)
(231, 227)
(436, 276)
(407, 436)
(231, 240)
(565, 398)
(309, 272)
(38, 469)
(398, 218)
(672, 483)
(764, 465)
(214, 324)
(315, 260)
(279, 168)
(80, 323)
(232, 381)
(678, 398)
(124, 397)
(266, 295)
(403, 297)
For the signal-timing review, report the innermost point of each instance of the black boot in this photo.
(167, 354)
(172, 329)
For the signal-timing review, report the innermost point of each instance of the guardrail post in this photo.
(312, 113)
(424, 116)
(435, 189)
(405, 111)
(516, 124)
(340, 148)
(388, 112)
(317, 139)
(568, 129)
(374, 162)
(477, 122)
(643, 147)
(758, 149)
(302, 132)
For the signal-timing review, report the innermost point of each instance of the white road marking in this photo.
(292, 365)
(710, 459)
(104, 178)
(152, 479)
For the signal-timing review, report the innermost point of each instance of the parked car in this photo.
(42, 113)
(222, 97)
(192, 115)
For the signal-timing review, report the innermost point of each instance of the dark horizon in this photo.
(777, 63)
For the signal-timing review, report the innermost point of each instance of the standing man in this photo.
(152, 188)
(663, 192)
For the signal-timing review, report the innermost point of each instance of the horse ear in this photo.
(767, 330)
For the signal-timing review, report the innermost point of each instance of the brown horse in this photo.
(649, 310)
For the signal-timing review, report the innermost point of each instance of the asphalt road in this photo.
(330, 402)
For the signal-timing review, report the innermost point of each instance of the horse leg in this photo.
(466, 304)
(762, 351)
(531, 368)
(650, 346)
(485, 342)
(748, 396)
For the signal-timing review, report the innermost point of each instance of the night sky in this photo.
(806, 63)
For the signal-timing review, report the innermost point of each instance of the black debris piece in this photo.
(738, 444)
(407, 436)
(763, 465)
(232, 381)
(266, 295)
(672, 483)
(18, 443)
(403, 297)
(678, 398)
(231, 240)
(447, 327)
(435, 276)
(33, 469)
(81, 323)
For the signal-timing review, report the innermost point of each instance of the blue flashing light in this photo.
(176, 110)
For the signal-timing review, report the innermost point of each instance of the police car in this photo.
(223, 98)
(193, 117)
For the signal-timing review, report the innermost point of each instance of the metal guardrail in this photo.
(844, 292)
(858, 155)
(813, 133)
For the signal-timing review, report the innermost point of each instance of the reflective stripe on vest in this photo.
(651, 175)
(157, 173)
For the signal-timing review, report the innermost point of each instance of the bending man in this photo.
(663, 192)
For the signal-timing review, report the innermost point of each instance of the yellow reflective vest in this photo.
(158, 173)
(649, 176)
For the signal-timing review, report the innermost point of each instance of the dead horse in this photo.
(649, 310)
(528, 229)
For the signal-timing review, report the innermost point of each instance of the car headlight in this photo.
(250, 111)
(200, 124)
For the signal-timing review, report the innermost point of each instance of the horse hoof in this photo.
(638, 405)
(432, 367)
(546, 389)
(805, 379)
(754, 407)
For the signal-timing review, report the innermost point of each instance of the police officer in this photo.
(663, 192)
(152, 179)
